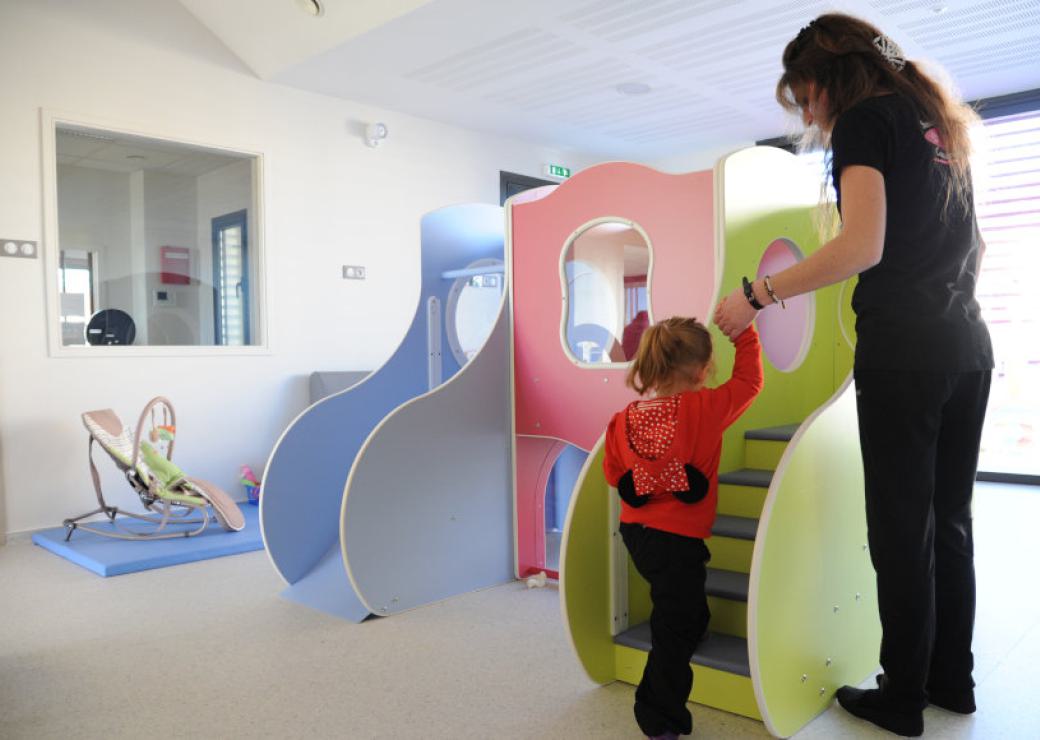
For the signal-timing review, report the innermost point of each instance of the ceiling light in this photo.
(633, 88)
(311, 7)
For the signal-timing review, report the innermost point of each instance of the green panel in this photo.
(639, 605)
(814, 612)
(585, 573)
(728, 553)
(713, 688)
(728, 617)
(743, 501)
(766, 194)
(763, 454)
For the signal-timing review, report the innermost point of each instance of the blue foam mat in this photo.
(112, 557)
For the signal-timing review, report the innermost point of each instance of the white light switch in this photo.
(353, 272)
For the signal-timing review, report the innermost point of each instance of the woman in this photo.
(899, 161)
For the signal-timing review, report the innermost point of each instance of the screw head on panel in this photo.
(829, 661)
(858, 597)
(836, 607)
(805, 677)
(822, 691)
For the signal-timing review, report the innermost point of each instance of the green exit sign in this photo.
(555, 170)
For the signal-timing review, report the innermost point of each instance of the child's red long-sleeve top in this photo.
(702, 417)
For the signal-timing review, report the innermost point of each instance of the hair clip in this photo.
(891, 51)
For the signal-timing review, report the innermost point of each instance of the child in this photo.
(662, 455)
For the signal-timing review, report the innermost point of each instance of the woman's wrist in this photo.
(758, 287)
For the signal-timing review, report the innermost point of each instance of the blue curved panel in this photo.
(428, 512)
(305, 477)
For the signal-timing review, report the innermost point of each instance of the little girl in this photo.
(662, 455)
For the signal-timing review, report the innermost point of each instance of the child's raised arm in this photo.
(733, 397)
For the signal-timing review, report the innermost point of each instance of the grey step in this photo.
(737, 527)
(721, 652)
(773, 434)
(747, 477)
(727, 584)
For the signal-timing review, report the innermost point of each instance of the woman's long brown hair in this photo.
(837, 53)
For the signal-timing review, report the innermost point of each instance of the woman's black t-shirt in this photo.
(916, 309)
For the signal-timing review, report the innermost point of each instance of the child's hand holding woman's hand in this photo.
(734, 314)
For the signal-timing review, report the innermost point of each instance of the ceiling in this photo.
(104, 150)
(549, 70)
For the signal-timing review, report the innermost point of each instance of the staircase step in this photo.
(773, 434)
(721, 652)
(738, 527)
(726, 584)
(753, 477)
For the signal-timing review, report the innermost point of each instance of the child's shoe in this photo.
(871, 705)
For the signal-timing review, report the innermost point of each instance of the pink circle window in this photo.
(786, 333)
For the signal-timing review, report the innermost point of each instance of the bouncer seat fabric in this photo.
(168, 495)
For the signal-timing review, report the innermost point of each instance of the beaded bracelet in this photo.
(750, 295)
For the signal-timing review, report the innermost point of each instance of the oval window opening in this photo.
(605, 274)
(473, 304)
(785, 333)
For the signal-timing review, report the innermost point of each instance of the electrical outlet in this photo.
(19, 248)
(353, 272)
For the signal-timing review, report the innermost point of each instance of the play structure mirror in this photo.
(558, 488)
(473, 304)
(157, 241)
(605, 273)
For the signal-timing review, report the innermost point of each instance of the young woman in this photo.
(899, 160)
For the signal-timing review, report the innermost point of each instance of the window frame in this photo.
(50, 120)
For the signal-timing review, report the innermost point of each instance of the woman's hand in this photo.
(734, 314)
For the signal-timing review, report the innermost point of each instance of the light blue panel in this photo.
(327, 589)
(428, 514)
(303, 485)
(112, 557)
(564, 475)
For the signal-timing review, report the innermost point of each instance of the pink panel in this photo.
(555, 397)
(784, 333)
(535, 457)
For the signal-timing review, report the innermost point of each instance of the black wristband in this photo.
(750, 295)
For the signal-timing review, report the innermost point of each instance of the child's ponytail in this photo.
(664, 348)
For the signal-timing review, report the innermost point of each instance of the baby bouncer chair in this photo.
(168, 495)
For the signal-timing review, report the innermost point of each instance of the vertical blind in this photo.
(1007, 179)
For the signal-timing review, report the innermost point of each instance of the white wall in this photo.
(149, 66)
(95, 208)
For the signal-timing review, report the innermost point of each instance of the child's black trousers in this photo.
(920, 434)
(675, 567)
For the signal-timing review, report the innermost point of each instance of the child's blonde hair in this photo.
(664, 348)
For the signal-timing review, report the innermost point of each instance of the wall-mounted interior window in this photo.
(155, 241)
(605, 274)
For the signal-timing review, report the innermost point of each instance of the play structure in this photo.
(790, 583)
(474, 455)
(395, 492)
(168, 495)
